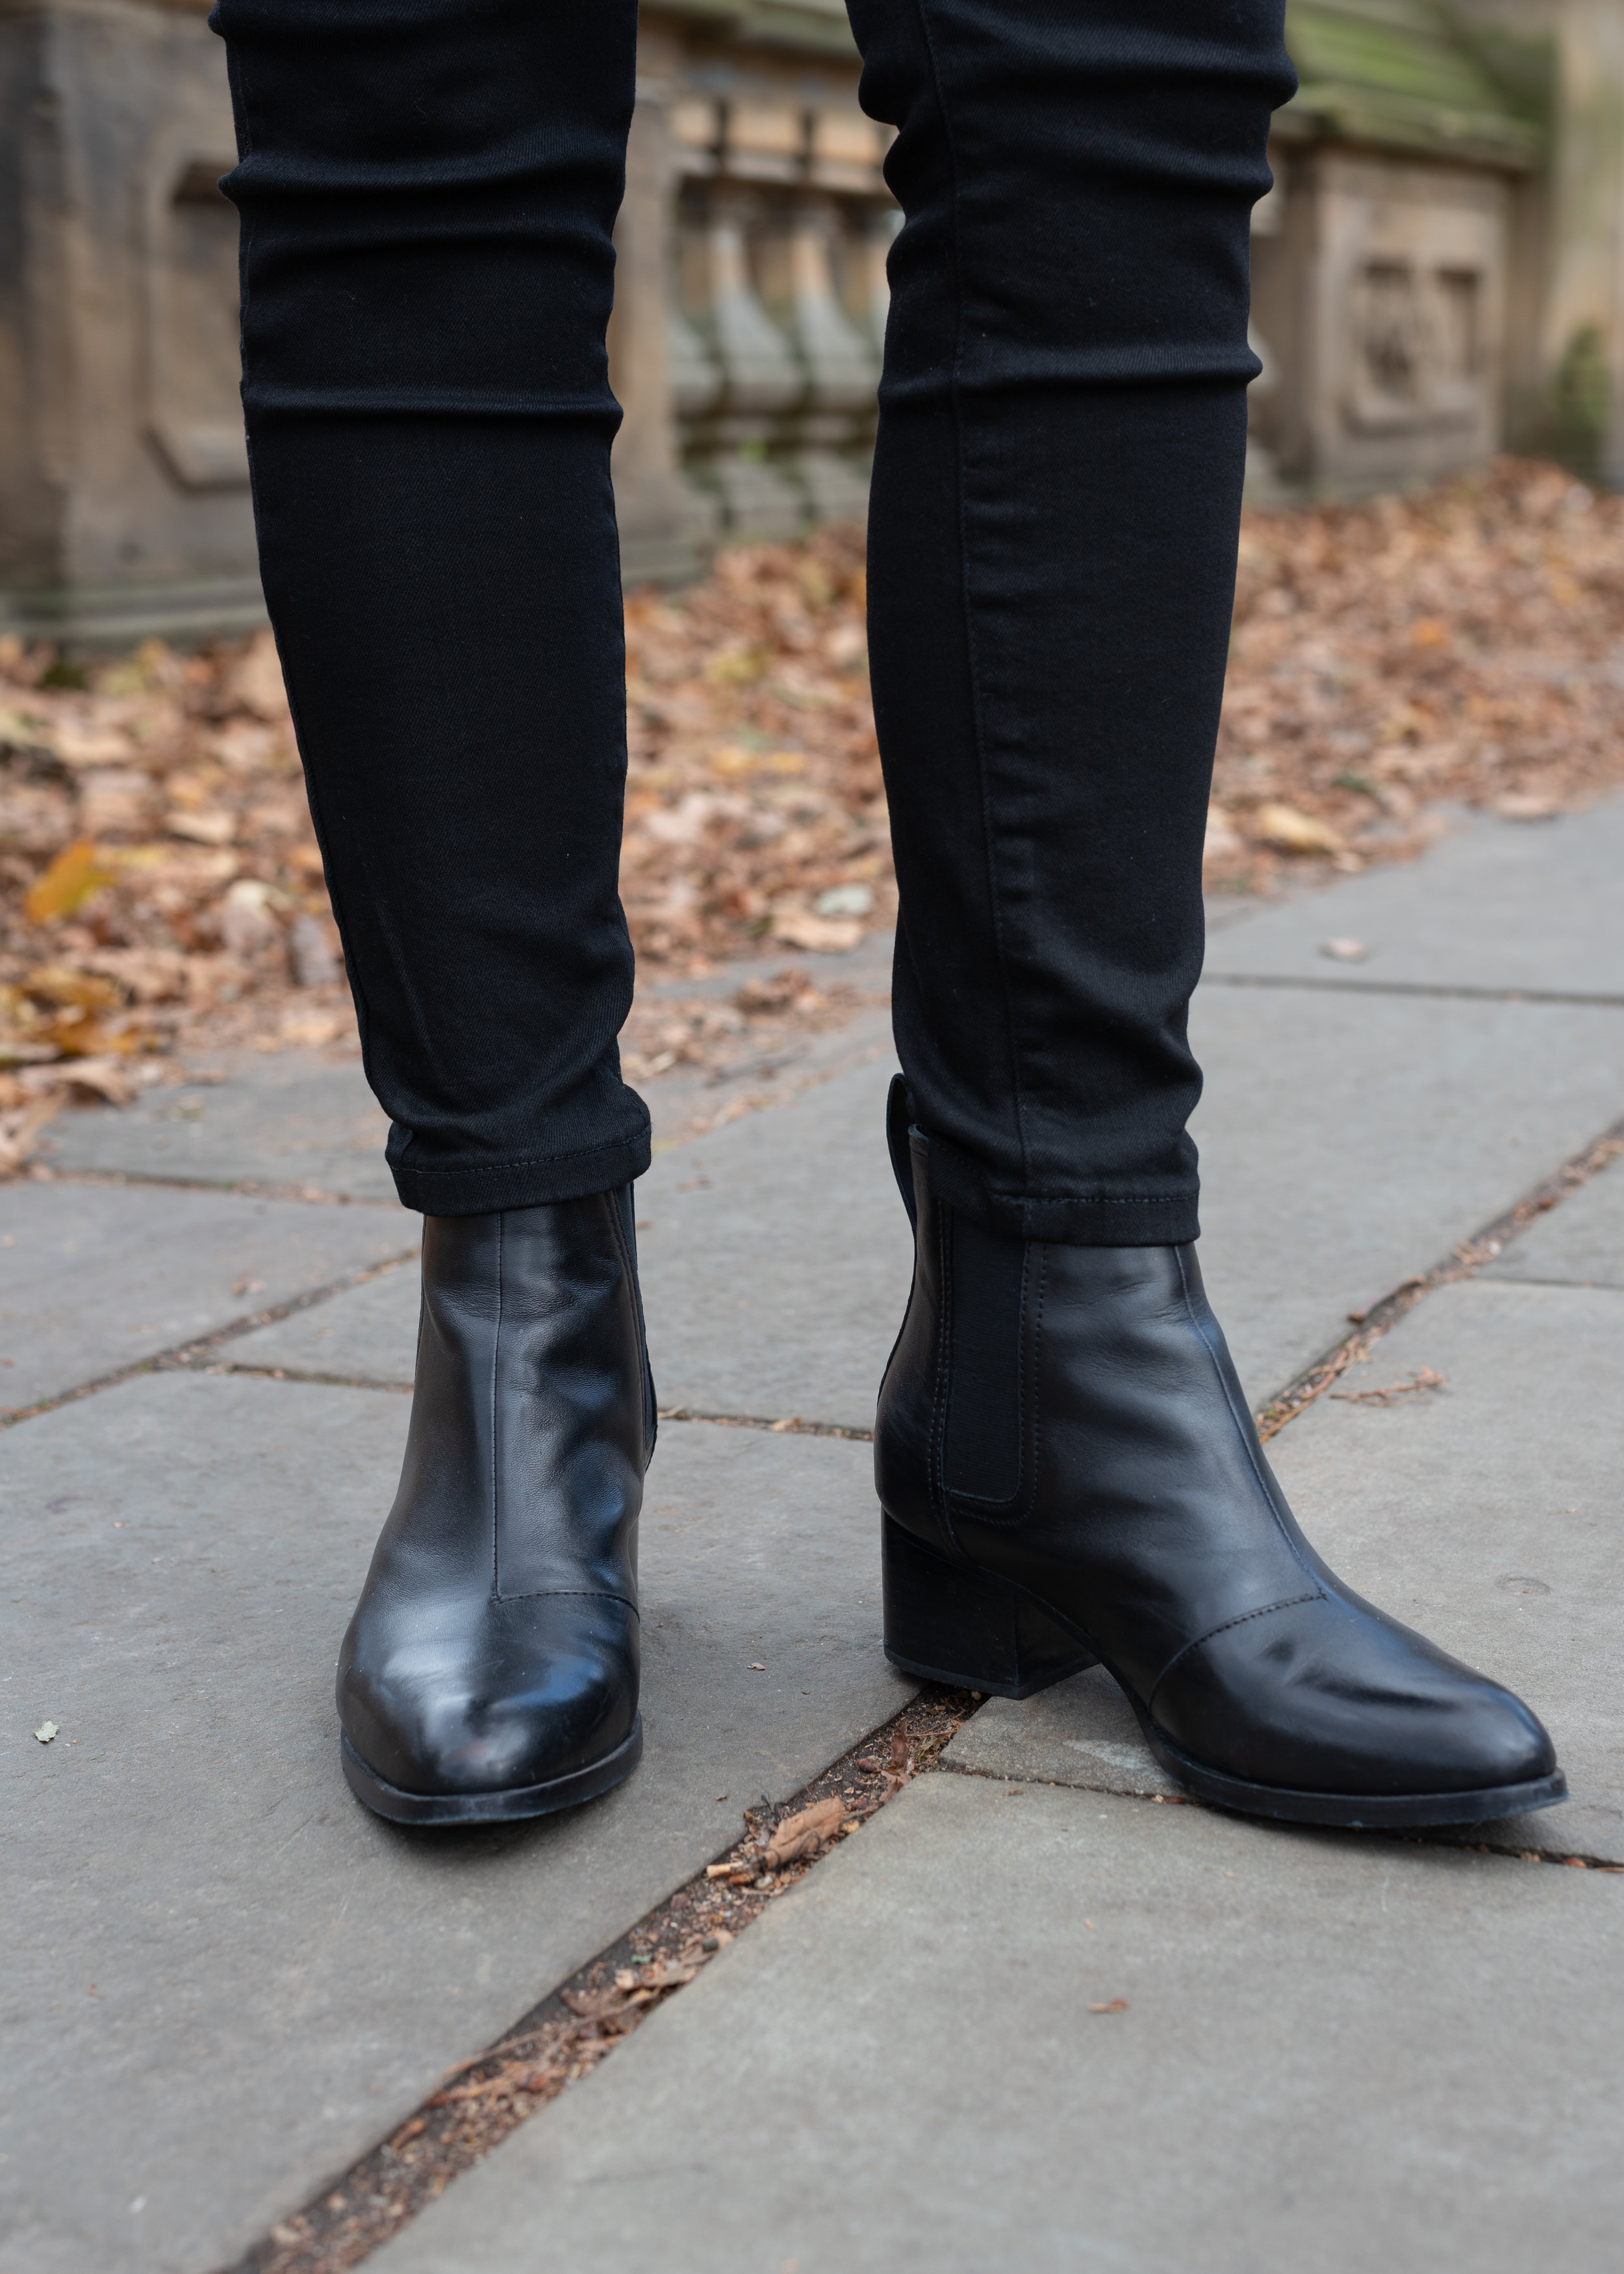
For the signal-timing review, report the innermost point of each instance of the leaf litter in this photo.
(160, 889)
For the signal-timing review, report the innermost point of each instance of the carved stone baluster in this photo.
(842, 370)
(762, 381)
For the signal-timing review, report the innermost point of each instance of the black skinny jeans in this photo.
(427, 191)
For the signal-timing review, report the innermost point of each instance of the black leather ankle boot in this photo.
(1069, 1474)
(491, 1668)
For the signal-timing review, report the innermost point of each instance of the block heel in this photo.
(952, 1623)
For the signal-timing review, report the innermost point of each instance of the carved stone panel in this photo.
(1406, 291)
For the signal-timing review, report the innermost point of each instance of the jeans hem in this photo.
(484, 1190)
(1070, 1220)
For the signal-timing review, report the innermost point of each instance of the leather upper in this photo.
(1139, 1504)
(495, 1644)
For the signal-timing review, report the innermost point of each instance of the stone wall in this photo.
(124, 480)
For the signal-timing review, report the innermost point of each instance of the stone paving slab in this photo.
(1081, 1733)
(1340, 2055)
(94, 1277)
(1347, 1141)
(224, 1979)
(1486, 1515)
(1501, 904)
(368, 1333)
(288, 1118)
(775, 1259)
(1581, 1241)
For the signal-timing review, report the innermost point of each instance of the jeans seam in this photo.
(1087, 1200)
(955, 389)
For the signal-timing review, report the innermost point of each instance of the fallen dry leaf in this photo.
(804, 1833)
(45, 1731)
(20, 1128)
(821, 935)
(108, 1078)
(593, 2005)
(1287, 831)
(1223, 841)
(78, 871)
(256, 682)
(1111, 2006)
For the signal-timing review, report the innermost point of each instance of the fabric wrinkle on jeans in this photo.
(428, 190)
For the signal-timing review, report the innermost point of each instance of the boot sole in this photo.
(1008, 1644)
(509, 1807)
(1379, 1811)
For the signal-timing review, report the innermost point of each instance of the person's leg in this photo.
(427, 191)
(1064, 1459)
(1057, 499)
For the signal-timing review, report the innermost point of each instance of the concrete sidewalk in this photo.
(226, 1982)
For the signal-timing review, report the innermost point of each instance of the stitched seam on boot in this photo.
(1287, 1603)
(584, 1594)
(1242, 1430)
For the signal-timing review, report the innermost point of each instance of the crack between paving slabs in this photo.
(581, 2021)
(248, 1188)
(1463, 1261)
(1463, 993)
(195, 1357)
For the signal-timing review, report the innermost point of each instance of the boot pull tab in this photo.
(896, 1142)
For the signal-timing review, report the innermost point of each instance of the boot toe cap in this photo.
(546, 1693)
(1324, 1696)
